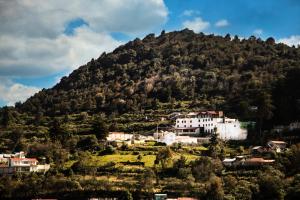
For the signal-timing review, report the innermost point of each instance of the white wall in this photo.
(230, 129)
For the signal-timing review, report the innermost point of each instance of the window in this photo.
(184, 125)
(190, 125)
(177, 126)
(190, 121)
(177, 121)
(199, 120)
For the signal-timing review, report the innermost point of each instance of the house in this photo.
(170, 138)
(165, 197)
(165, 137)
(160, 196)
(186, 140)
(119, 136)
(278, 146)
(21, 164)
(207, 122)
(228, 162)
(257, 162)
(247, 162)
(257, 150)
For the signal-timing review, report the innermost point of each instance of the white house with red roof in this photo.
(21, 164)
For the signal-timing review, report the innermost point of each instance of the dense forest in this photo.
(214, 72)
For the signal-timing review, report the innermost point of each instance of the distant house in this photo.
(170, 138)
(207, 122)
(21, 164)
(165, 137)
(165, 197)
(257, 149)
(119, 136)
(278, 146)
(160, 196)
(257, 162)
(228, 162)
(246, 162)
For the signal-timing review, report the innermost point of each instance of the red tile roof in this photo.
(24, 159)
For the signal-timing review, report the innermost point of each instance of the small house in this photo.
(276, 145)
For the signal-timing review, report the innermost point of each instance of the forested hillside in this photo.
(213, 72)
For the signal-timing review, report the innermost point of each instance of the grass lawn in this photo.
(117, 158)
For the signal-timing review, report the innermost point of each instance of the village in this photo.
(189, 129)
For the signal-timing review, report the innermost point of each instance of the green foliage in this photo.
(141, 74)
(163, 156)
(7, 117)
(100, 128)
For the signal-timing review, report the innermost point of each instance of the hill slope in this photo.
(212, 71)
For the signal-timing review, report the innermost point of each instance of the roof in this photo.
(278, 142)
(116, 133)
(259, 160)
(208, 112)
(257, 147)
(229, 159)
(24, 159)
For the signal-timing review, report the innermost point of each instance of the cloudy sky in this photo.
(41, 41)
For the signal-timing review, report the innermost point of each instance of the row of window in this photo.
(203, 120)
(199, 125)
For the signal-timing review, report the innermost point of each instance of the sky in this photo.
(42, 41)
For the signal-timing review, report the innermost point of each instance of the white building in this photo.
(21, 164)
(170, 138)
(206, 122)
(165, 137)
(119, 136)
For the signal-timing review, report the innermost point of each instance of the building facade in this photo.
(207, 122)
(17, 163)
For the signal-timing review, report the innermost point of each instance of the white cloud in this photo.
(292, 40)
(197, 24)
(189, 13)
(222, 23)
(11, 92)
(37, 18)
(258, 31)
(32, 39)
(42, 56)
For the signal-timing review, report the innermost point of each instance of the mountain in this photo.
(211, 72)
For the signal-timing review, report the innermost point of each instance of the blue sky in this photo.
(42, 41)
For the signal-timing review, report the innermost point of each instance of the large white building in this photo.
(206, 122)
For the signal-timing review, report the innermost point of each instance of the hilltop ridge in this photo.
(226, 73)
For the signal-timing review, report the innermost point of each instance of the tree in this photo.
(215, 189)
(271, 185)
(265, 109)
(214, 147)
(202, 168)
(88, 143)
(99, 128)
(146, 181)
(57, 132)
(163, 156)
(270, 41)
(6, 117)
